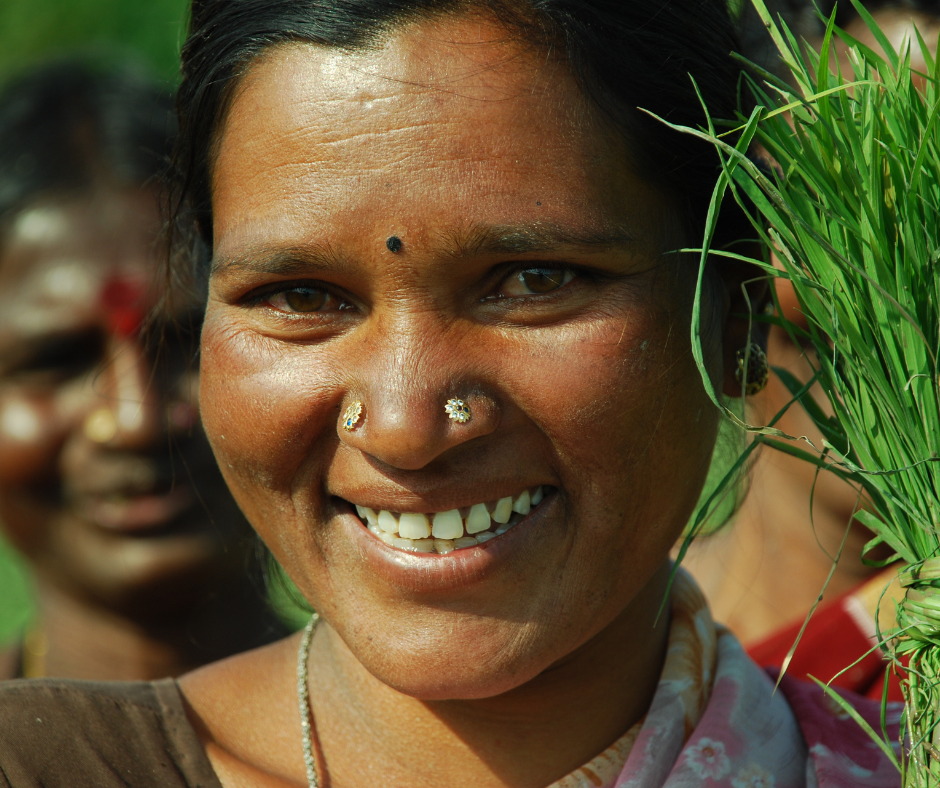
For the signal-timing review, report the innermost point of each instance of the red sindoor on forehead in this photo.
(124, 302)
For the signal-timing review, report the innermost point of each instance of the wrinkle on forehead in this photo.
(449, 110)
(438, 54)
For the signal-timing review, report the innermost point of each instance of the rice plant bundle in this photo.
(850, 207)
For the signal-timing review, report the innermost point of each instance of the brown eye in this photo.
(536, 281)
(303, 299)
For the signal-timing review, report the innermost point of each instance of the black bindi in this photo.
(393, 243)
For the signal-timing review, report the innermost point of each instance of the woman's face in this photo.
(529, 283)
(102, 460)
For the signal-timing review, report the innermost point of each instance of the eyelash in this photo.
(259, 297)
(570, 273)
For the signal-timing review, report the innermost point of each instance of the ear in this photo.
(748, 294)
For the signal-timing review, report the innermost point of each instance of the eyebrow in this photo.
(475, 240)
(282, 261)
(480, 239)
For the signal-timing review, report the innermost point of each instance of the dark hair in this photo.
(625, 53)
(67, 127)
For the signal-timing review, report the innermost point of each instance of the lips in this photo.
(133, 513)
(453, 529)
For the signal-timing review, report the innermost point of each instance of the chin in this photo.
(439, 666)
(463, 683)
(153, 582)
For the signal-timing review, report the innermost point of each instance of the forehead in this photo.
(445, 122)
(56, 257)
(97, 231)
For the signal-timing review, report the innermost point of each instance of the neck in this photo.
(774, 543)
(371, 734)
(87, 641)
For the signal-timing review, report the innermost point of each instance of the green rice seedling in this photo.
(851, 209)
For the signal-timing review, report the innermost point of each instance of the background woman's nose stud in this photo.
(100, 426)
(351, 416)
(457, 410)
(393, 243)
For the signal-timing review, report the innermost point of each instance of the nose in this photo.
(404, 422)
(128, 409)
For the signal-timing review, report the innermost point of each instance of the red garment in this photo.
(833, 640)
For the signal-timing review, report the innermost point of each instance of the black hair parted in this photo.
(68, 127)
(626, 54)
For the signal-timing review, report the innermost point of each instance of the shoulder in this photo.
(233, 699)
(246, 713)
(58, 733)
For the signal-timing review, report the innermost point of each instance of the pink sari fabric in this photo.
(716, 722)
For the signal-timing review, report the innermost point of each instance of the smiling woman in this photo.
(488, 586)
(107, 485)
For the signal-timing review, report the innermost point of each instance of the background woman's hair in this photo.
(626, 54)
(67, 128)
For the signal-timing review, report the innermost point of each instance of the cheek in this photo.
(606, 390)
(30, 437)
(262, 405)
(624, 408)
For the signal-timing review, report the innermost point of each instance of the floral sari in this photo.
(716, 722)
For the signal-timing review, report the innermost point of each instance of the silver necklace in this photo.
(303, 696)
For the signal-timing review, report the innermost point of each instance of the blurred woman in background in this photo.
(107, 484)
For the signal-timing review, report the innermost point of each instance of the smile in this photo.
(455, 529)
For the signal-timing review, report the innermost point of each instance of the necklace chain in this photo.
(303, 697)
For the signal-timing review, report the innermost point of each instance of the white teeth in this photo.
(448, 525)
(478, 519)
(444, 532)
(444, 546)
(367, 514)
(414, 525)
(503, 510)
(387, 522)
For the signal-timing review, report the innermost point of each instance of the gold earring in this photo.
(351, 416)
(457, 410)
(757, 371)
(100, 426)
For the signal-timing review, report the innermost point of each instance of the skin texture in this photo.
(485, 160)
(119, 531)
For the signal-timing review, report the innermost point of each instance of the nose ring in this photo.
(457, 410)
(100, 426)
(352, 415)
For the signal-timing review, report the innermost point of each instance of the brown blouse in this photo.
(61, 733)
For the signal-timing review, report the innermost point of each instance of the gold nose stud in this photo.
(352, 415)
(457, 410)
(100, 426)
